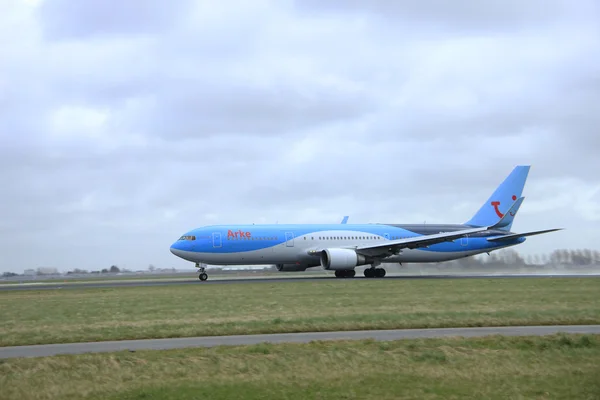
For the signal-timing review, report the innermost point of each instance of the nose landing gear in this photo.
(202, 274)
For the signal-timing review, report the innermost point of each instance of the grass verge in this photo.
(76, 315)
(552, 367)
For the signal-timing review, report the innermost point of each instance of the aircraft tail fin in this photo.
(344, 220)
(506, 195)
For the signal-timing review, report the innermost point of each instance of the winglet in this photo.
(344, 220)
(507, 219)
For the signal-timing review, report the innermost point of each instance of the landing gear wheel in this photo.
(374, 273)
(203, 275)
(345, 273)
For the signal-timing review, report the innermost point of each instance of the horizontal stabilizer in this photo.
(518, 235)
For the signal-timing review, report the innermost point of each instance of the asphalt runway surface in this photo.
(211, 341)
(220, 281)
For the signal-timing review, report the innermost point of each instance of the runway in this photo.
(220, 280)
(211, 341)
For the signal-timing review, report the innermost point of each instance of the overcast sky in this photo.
(125, 124)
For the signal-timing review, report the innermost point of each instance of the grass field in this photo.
(75, 315)
(553, 367)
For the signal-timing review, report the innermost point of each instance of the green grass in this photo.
(54, 316)
(552, 367)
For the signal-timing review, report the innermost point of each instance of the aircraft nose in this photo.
(176, 248)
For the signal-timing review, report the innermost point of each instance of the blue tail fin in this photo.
(502, 199)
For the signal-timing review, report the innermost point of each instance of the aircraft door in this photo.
(216, 239)
(464, 240)
(289, 239)
(386, 236)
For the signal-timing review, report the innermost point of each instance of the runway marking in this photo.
(211, 341)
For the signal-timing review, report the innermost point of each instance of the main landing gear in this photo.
(374, 273)
(203, 275)
(369, 273)
(345, 273)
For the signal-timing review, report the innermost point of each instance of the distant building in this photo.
(29, 272)
(47, 271)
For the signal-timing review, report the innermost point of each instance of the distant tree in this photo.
(596, 257)
(79, 271)
(511, 257)
(577, 257)
(9, 274)
(494, 258)
(104, 271)
(530, 259)
(114, 269)
(151, 268)
(589, 256)
(564, 257)
(555, 257)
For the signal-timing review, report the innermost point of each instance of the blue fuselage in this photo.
(281, 244)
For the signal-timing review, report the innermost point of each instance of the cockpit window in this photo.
(187, 238)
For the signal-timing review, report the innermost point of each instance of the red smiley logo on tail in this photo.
(495, 204)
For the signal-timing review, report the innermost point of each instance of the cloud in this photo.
(66, 19)
(122, 127)
(462, 17)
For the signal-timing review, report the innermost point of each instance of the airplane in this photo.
(343, 247)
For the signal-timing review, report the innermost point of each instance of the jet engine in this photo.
(337, 259)
(292, 267)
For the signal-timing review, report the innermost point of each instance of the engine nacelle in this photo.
(336, 259)
(292, 267)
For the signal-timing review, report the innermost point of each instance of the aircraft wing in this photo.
(390, 247)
